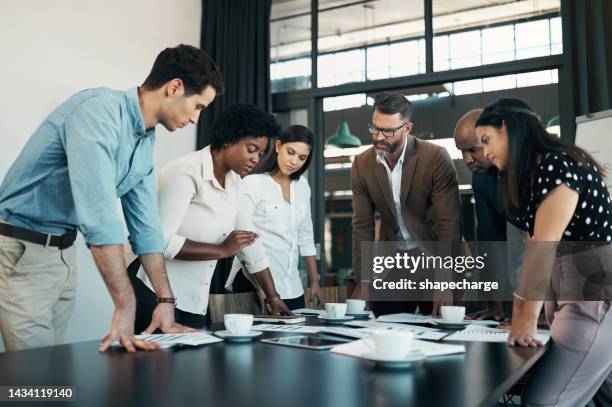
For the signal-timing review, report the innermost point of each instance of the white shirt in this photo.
(193, 205)
(395, 181)
(285, 228)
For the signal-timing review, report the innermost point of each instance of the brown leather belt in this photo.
(43, 239)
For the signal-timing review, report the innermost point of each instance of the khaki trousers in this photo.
(37, 293)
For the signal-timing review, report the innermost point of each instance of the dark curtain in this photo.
(591, 54)
(236, 34)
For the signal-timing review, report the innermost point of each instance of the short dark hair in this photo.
(191, 65)
(392, 103)
(291, 134)
(241, 121)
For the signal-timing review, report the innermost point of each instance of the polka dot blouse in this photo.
(592, 220)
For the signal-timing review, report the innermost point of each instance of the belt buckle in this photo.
(48, 241)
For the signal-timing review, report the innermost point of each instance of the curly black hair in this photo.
(240, 121)
(190, 64)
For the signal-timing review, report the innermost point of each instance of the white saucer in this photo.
(230, 337)
(359, 315)
(450, 325)
(408, 361)
(335, 320)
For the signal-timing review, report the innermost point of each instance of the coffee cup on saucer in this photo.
(335, 310)
(238, 324)
(452, 314)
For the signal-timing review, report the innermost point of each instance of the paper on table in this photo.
(405, 318)
(170, 340)
(419, 331)
(307, 329)
(309, 311)
(359, 348)
(484, 322)
(478, 333)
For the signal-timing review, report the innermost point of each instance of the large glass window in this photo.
(341, 67)
(388, 34)
(290, 45)
(485, 32)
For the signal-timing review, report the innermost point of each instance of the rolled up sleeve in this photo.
(92, 134)
(305, 232)
(142, 217)
(177, 189)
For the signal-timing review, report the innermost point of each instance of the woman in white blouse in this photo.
(198, 196)
(277, 200)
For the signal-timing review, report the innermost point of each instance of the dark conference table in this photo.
(259, 374)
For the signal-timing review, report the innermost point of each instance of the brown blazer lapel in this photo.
(410, 162)
(383, 181)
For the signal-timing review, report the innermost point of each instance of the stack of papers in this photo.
(406, 318)
(309, 311)
(420, 332)
(305, 329)
(170, 340)
(478, 333)
(359, 348)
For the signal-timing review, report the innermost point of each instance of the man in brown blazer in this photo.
(411, 183)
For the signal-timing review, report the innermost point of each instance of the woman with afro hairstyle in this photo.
(198, 196)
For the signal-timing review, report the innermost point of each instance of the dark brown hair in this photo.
(528, 141)
(392, 103)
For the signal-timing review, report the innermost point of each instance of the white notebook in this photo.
(184, 339)
(359, 348)
(305, 329)
(478, 333)
(406, 318)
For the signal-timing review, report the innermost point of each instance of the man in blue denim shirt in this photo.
(94, 148)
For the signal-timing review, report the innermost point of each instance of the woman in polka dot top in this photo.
(556, 192)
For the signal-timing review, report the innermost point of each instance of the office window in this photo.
(441, 53)
(499, 83)
(498, 44)
(497, 23)
(290, 46)
(347, 24)
(532, 39)
(344, 102)
(465, 49)
(341, 67)
(556, 38)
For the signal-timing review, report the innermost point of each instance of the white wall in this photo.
(51, 49)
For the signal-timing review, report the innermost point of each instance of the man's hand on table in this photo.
(122, 330)
(163, 318)
(122, 327)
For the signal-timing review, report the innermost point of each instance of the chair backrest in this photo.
(331, 293)
(235, 303)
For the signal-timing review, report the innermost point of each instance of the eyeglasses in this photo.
(385, 132)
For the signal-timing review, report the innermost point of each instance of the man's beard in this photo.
(387, 152)
(382, 154)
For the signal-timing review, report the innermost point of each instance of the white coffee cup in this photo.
(452, 314)
(335, 310)
(393, 344)
(238, 324)
(355, 306)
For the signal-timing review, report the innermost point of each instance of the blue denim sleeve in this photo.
(142, 217)
(91, 142)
